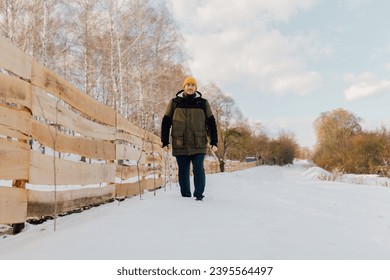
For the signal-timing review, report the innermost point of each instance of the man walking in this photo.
(192, 121)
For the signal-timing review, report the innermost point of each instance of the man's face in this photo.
(190, 88)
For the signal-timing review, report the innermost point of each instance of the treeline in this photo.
(126, 54)
(238, 139)
(343, 146)
(130, 56)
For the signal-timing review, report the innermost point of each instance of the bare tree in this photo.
(127, 54)
(11, 27)
(227, 116)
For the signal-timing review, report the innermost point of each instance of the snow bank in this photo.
(318, 173)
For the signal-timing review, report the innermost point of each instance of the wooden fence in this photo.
(84, 142)
(52, 134)
(230, 166)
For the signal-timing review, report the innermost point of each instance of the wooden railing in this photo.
(230, 166)
(85, 143)
(54, 136)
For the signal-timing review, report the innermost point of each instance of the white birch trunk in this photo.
(44, 31)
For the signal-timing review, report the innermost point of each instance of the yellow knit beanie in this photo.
(189, 80)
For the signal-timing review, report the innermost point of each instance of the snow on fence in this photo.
(53, 135)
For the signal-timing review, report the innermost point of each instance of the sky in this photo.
(266, 213)
(285, 62)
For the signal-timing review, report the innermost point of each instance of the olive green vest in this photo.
(189, 133)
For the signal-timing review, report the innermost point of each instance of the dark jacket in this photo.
(192, 120)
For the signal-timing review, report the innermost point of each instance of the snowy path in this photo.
(261, 213)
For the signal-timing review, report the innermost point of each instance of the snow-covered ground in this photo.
(361, 179)
(267, 212)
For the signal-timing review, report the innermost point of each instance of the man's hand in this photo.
(214, 148)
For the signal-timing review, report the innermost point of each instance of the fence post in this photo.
(18, 227)
(20, 184)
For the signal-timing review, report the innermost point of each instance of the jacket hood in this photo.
(181, 94)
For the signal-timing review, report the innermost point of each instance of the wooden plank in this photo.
(14, 60)
(126, 152)
(152, 184)
(142, 160)
(89, 148)
(15, 157)
(50, 109)
(13, 205)
(17, 120)
(211, 167)
(151, 138)
(48, 81)
(68, 172)
(128, 189)
(14, 90)
(131, 139)
(41, 203)
(150, 159)
(141, 135)
(148, 148)
(127, 126)
(150, 171)
(13, 133)
(125, 172)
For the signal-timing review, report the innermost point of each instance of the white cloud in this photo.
(301, 83)
(231, 42)
(219, 13)
(365, 85)
(268, 61)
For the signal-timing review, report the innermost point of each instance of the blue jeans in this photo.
(184, 174)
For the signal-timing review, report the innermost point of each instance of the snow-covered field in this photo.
(267, 212)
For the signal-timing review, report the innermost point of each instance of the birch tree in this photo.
(11, 28)
(127, 54)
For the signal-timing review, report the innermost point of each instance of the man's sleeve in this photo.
(166, 125)
(211, 125)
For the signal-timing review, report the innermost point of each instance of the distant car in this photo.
(250, 159)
